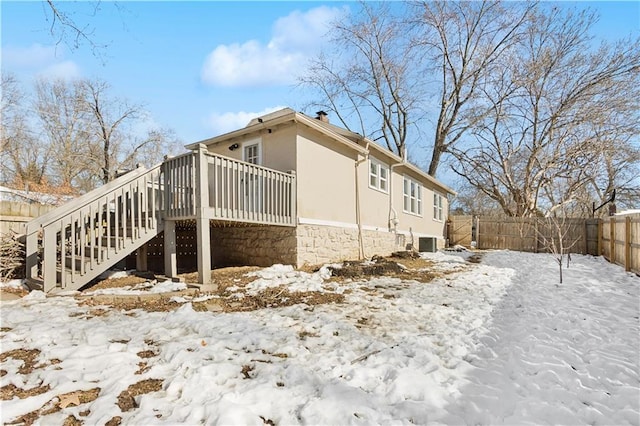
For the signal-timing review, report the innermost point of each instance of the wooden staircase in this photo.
(75, 243)
(70, 246)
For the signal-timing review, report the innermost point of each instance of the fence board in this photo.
(616, 238)
(460, 230)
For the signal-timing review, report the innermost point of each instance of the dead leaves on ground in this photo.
(126, 399)
(27, 356)
(58, 403)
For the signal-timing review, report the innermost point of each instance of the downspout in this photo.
(393, 222)
(358, 219)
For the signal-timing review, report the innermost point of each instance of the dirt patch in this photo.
(276, 297)
(225, 277)
(476, 258)
(18, 291)
(114, 421)
(27, 356)
(126, 399)
(159, 304)
(146, 354)
(11, 391)
(405, 267)
(58, 403)
(246, 371)
(128, 281)
(72, 421)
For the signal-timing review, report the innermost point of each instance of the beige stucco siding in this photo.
(374, 203)
(278, 148)
(325, 178)
(376, 210)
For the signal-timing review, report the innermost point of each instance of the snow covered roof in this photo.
(628, 212)
(9, 194)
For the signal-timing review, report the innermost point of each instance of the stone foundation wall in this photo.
(253, 245)
(326, 244)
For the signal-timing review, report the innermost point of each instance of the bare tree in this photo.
(383, 66)
(461, 43)
(542, 141)
(555, 234)
(111, 118)
(74, 26)
(120, 138)
(24, 161)
(369, 76)
(64, 121)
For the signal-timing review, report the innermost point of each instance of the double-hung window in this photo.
(412, 192)
(437, 206)
(378, 175)
(251, 152)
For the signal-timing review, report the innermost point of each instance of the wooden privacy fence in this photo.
(617, 238)
(620, 241)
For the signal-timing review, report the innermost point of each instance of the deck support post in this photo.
(141, 258)
(31, 259)
(170, 251)
(202, 220)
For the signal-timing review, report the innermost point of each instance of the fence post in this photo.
(627, 243)
(612, 240)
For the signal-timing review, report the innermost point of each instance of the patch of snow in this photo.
(496, 343)
(149, 287)
(285, 275)
(13, 284)
(112, 274)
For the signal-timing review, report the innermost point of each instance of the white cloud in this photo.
(229, 121)
(296, 37)
(41, 61)
(66, 70)
(33, 56)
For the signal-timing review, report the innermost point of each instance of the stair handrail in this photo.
(46, 219)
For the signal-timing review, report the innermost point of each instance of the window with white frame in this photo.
(378, 175)
(412, 192)
(251, 152)
(437, 206)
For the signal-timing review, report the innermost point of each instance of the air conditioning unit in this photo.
(428, 244)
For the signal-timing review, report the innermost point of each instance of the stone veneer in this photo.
(266, 245)
(305, 244)
(326, 244)
(253, 245)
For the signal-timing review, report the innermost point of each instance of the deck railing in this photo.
(179, 175)
(72, 244)
(245, 192)
(237, 191)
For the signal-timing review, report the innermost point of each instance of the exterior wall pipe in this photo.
(358, 219)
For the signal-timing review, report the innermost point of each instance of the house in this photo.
(287, 188)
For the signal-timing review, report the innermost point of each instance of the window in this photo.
(378, 175)
(437, 206)
(251, 152)
(412, 191)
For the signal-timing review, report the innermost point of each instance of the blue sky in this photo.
(201, 68)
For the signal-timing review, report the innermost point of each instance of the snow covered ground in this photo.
(496, 343)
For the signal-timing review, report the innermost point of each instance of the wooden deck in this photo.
(73, 244)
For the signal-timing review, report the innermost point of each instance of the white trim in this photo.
(440, 207)
(380, 165)
(256, 141)
(418, 198)
(335, 224)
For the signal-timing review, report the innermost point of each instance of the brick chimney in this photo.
(322, 116)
